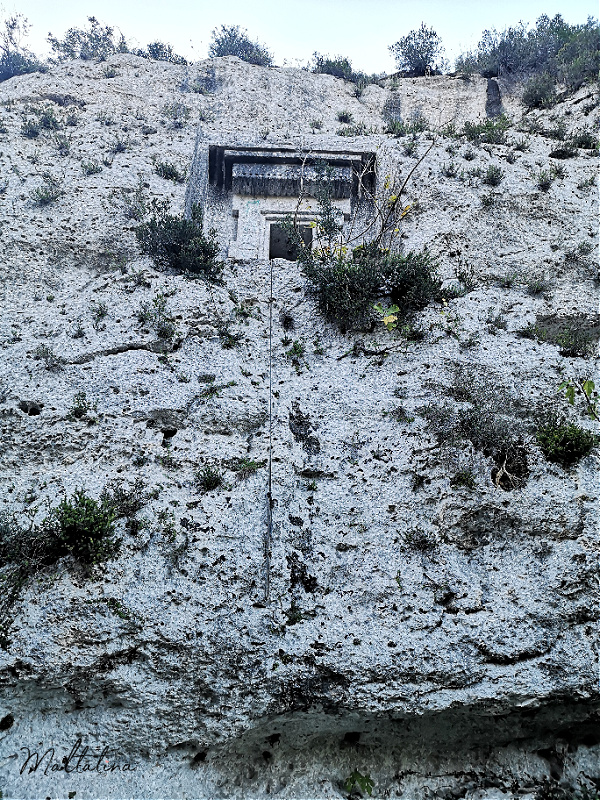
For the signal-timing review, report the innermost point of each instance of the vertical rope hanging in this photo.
(269, 530)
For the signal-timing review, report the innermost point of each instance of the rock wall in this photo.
(440, 639)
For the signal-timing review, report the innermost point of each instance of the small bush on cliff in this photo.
(487, 418)
(84, 528)
(159, 51)
(566, 53)
(417, 52)
(95, 42)
(337, 66)
(179, 243)
(15, 59)
(208, 478)
(564, 442)
(347, 283)
(234, 41)
(539, 92)
(341, 67)
(491, 131)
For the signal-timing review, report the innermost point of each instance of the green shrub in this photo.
(51, 361)
(486, 418)
(90, 167)
(345, 290)
(156, 315)
(234, 41)
(463, 478)
(81, 406)
(411, 281)
(449, 170)
(95, 42)
(177, 113)
(569, 53)
(395, 127)
(576, 336)
(521, 144)
(575, 343)
(579, 252)
(347, 285)
(558, 132)
(119, 145)
(359, 129)
(245, 467)
(48, 192)
(159, 51)
(178, 243)
(297, 350)
(30, 129)
(537, 286)
(14, 58)
(338, 66)
(564, 151)
(409, 148)
(539, 91)
(585, 138)
(417, 52)
(490, 131)
(208, 478)
(168, 171)
(346, 117)
(563, 442)
(493, 175)
(84, 528)
(62, 144)
(544, 180)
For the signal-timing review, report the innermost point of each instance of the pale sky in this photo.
(361, 30)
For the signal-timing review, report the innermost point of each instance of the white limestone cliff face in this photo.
(439, 639)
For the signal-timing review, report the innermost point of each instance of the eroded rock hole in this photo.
(168, 434)
(7, 722)
(30, 407)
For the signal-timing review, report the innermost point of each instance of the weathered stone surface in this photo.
(441, 639)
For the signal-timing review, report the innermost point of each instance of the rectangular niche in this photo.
(280, 245)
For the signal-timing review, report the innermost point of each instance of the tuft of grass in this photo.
(90, 167)
(169, 172)
(297, 350)
(493, 175)
(51, 361)
(30, 129)
(537, 286)
(345, 117)
(491, 131)
(245, 467)
(209, 478)
(48, 192)
(464, 478)
(544, 180)
(449, 170)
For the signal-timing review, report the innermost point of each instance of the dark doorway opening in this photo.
(280, 245)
